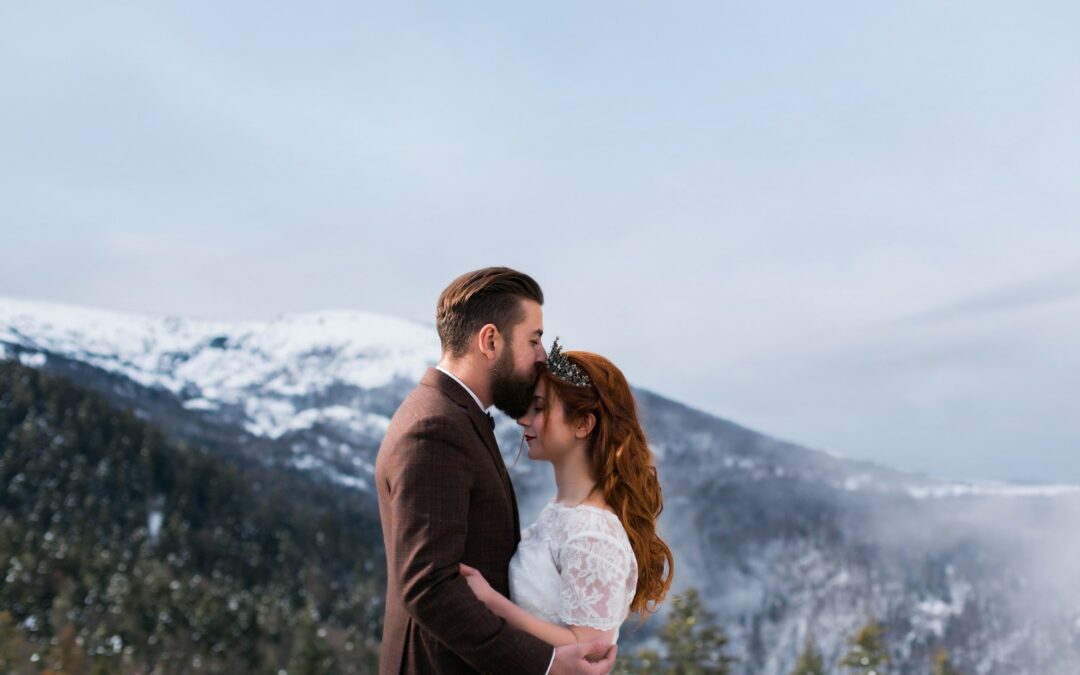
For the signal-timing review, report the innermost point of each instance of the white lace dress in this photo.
(574, 567)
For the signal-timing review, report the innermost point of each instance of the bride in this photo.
(593, 555)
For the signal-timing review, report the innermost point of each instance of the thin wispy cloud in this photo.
(1014, 298)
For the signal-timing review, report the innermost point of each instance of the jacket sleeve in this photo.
(429, 496)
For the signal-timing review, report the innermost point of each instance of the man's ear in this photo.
(585, 426)
(489, 338)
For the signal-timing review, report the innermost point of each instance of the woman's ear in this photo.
(585, 426)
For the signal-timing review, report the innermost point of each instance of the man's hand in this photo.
(585, 658)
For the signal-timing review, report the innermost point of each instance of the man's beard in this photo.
(512, 393)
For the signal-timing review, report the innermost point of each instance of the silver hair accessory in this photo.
(565, 369)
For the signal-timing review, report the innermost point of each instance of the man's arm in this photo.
(429, 498)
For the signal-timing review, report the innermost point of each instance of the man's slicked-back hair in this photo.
(475, 299)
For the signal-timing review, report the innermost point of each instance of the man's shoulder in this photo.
(425, 411)
(427, 401)
(426, 425)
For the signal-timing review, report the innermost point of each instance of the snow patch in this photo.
(311, 463)
(952, 490)
(269, 417)
(932, 614)
(32, 360)
(853, 483)
(153, 524)
(349, 481)
(201, 404)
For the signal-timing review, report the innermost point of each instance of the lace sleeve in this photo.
(594, 570)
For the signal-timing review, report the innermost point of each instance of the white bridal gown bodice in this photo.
(574, 567)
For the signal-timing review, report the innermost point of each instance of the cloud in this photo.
(1014, 298)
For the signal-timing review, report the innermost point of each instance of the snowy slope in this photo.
(323, 384)
(266, 367)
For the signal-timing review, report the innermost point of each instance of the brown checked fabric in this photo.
(445, 498)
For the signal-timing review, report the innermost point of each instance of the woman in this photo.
(593, 555)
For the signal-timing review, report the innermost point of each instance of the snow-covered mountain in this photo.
(783, 540)
(275, 380)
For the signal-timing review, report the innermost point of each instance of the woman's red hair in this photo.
(623, 468)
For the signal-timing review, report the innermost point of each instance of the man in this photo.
(445, 496)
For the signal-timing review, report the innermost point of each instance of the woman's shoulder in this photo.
(588, 521)
(584, 534)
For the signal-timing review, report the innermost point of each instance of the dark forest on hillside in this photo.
(123, 552)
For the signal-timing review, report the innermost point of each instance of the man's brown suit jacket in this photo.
(445, 498)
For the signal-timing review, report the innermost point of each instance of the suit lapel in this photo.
(481, 423)
(513, 503)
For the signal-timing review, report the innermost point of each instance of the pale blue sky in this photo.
(852, 225)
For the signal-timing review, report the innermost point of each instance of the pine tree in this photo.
(642, 662)
(311, 655)
(11, 643)
(810, 662)
(695, 645)
(66, 657)
(867, 655)
(942, 664)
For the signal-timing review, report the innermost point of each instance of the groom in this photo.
(445, 496)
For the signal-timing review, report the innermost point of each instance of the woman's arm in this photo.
(551, 633)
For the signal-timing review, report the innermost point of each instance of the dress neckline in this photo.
(584, 506)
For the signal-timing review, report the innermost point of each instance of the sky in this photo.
(851, 225)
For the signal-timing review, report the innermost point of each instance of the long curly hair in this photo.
(623, 468)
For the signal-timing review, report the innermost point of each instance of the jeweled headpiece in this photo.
(565, 369)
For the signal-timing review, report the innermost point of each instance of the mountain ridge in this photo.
(784, 541)
(29, 329)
